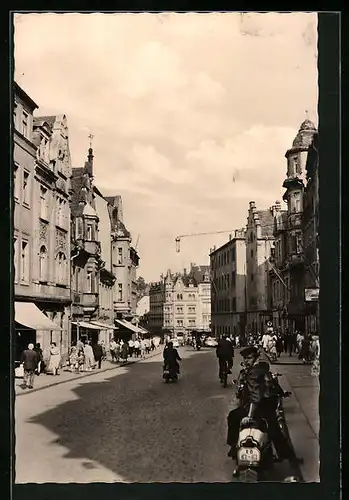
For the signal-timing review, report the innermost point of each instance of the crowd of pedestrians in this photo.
(35, 361)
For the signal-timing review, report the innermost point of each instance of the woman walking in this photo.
(74, 359)
(89, 357)
(55, 359)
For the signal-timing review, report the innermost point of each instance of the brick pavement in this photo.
(43, 381)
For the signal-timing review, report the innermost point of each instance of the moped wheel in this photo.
(249, 476)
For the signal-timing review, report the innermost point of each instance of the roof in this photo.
(198, 273)
(49, 119)
(266, 219)
(23, 95)
(89, 211)
(304, 136)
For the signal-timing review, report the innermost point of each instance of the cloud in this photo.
(191, 113)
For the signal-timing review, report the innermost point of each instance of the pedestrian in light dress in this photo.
(74, 359)
(89, 357)
(55, 359)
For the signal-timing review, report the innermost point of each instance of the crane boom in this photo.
(178, 238)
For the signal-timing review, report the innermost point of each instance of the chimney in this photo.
(252, 205)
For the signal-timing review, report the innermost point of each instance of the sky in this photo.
(191, 113)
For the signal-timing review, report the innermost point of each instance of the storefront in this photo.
(128, 331)
(31, 327)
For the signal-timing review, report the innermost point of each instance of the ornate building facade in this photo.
(42, 170)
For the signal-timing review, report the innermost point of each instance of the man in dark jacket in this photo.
(30, 362)
(171, 357)
(98, 354)
(255, 403)
(225, 354)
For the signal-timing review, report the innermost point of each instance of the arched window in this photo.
(43, 264)
(61, 269)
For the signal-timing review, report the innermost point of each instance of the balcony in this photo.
(89, 301)
(92, 247)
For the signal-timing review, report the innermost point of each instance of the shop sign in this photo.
(311, 294)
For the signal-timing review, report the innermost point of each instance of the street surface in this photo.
(128, 425)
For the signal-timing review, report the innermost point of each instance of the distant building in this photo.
(143, 306)
(42, 172)
(156, 308)
(259, 247)
(228, 289)
(311, 238)
(180, 303)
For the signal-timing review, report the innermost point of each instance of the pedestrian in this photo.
(131, 347)
(279, 346)
(112, 349)
(55, 359)
(117, 351)
(304, 353)
(300, 338)
(315, 345)
(104, 350)
(124, 352)
(137, 348)
(292, 343)
(74, 359)
(40, 367)
(30, 363)
(143, 347)
(98, 354)
(89, 357)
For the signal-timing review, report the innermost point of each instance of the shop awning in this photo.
(29, 315)
(84, 324)
(129, 325)
(104, 326)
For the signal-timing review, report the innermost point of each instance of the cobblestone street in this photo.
(127, 425)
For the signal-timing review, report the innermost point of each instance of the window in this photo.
(120, 256)
(120, 294)
(299, 243)
(61, 269)
(15, 257)
(89, 232)
(297, 202)
(179, 322)
(25, 261)
(192, 322)
(25, 188)
(77, 278)
(16, 180)
(24, 129)
(43, 268)
(89, 282)
(43, 203)
(15, 109)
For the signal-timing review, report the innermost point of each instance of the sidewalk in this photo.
(44, 381)
(302, 411)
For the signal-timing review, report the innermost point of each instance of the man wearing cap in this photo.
(30, 362)
(255, 402)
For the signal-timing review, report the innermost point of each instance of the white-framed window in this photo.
(43, 264)
(15, 257)
(79, 228)
(26, 187)
(120, 292)
(43, 203)
(24, 124)
(179, 322)
(120, 255)
(192, 322)
(24, 261)
(61, 269)
(89, 232)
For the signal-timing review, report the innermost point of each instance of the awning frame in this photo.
(31, 317)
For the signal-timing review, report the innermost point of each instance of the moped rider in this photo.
(255, 402)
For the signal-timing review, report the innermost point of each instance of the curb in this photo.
(89, 374)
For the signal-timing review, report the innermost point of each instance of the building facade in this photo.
(259, 247)
(106, 278)
(180, 302)
(42, 170)
(86, 254)
(228, 289)
(311, 238)
(156, 313)
(294, 269)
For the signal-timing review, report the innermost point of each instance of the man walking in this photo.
(30, 363)
(225, 354)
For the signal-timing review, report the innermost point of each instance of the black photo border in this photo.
(330, 50)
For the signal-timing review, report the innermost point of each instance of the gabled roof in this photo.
(89, 211)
